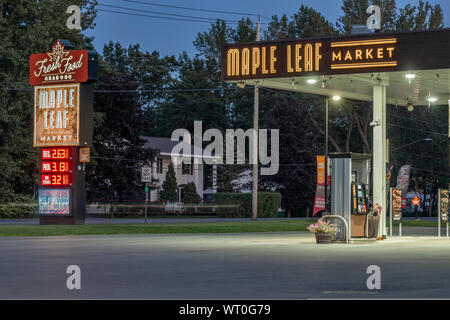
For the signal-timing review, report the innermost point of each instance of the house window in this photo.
(187, 168)
(159, 165)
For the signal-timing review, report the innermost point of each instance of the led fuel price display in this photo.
(55, 153)
(60, 180)
(56, 167)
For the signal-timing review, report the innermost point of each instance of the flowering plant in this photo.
(323, 227)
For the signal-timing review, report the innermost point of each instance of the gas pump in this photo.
(350, 181)
(359, 199)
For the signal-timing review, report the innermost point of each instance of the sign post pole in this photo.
(439, 214)
(146, 176)
(146, 200)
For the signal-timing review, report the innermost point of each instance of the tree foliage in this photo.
(118, 150)
(409, 18)
(169, 191)
(27, 27)
(190, 194)
(163, 97)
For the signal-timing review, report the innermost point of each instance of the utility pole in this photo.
(255, 140)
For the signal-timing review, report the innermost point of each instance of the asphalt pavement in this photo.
(222, 266)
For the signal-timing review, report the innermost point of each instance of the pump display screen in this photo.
(359, 199)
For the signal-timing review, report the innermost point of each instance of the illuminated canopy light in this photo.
(410, 76)
(311, 81)
(432, 99)
(336, 98)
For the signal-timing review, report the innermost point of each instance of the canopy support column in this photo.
(379, 150)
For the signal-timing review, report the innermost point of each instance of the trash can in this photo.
(372, 225)
(281, 213)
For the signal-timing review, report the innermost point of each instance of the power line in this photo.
(20, 83)
(221, 89)
(387, 123)
(16, 89)
(431, 171)
(164, 13)
(167, 90)
(408, 128)
(198, 89)
(151, 16)
(399, 117)
(190, 8)
(144, 90)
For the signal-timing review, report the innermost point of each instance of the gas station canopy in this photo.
(428, 84)
(413, 65)
(408, 68)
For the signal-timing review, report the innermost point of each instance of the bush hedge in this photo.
(239, 205)
(18, 210)
(122, 210)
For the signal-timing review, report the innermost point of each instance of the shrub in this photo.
(169, 190)
(190, 194)
(130, 209)
(239, 205)
(17, 210)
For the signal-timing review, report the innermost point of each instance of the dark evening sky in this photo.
(172, 37)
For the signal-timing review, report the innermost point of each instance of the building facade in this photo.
(184, 172)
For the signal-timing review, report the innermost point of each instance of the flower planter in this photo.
(323, 238)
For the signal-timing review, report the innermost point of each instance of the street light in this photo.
(414, 142)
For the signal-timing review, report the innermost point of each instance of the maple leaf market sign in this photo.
(369, 53)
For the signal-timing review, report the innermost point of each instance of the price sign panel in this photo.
(55, 153)
(55, 180)
(56, 167)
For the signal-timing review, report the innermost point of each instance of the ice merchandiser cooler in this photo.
(350, 180)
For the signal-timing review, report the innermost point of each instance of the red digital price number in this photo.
(55, 166)
(55, 154)
(55, 180)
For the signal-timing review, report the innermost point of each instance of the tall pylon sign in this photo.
(63, 109)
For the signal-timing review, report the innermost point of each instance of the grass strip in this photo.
(102, 229)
